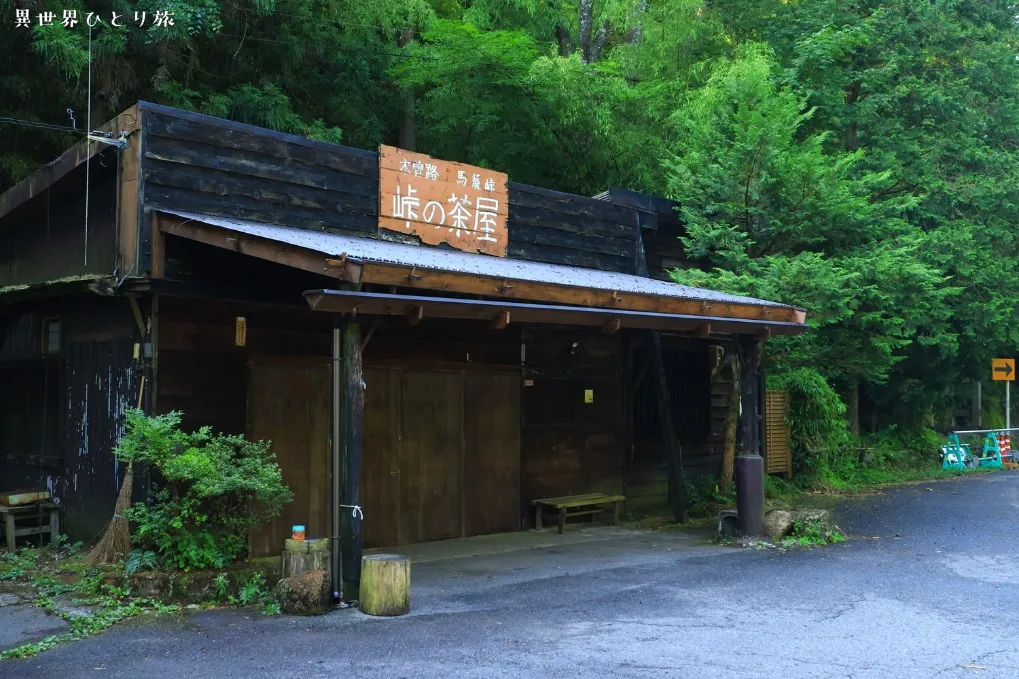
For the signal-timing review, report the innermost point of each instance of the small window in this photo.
(51, 336)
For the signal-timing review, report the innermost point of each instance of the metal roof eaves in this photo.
(440, 259)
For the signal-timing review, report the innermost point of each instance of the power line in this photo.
(37, 124)
(338, 22)
(336, 49)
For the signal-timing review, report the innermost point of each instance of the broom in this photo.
(116, 541)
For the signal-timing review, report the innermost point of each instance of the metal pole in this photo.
(335, 475)
(1008, 406)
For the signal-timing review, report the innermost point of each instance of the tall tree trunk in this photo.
(731, 425)
(562, 35)
(853, 409)
(586, 29)
(408, 128)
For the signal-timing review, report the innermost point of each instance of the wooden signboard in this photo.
(443, 202)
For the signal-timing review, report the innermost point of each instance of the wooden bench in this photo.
(39, 511)
(565, 506)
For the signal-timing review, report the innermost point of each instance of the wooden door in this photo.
(380, 463)
(431, 443)
(289, 404)
(491, 453)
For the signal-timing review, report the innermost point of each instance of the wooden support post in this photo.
(351, 537)
(9, 532)
(750, 464)
(749, 397)
(673, 451)
(54, 527)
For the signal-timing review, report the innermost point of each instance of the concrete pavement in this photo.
(927, 586)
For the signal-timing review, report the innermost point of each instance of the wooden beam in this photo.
(384, 304)
(351, 537)
(749, 401)
(158, 248)
(502, 319)
(612, 327)
(273, 251)
(129, 194)
(415, 314)
(562, 293)
(703, 330)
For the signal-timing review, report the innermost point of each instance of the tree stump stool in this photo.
(385, 584)
(301, 556)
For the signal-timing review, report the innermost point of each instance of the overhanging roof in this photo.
(372, 261)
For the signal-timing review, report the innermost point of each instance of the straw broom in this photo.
(116, 541)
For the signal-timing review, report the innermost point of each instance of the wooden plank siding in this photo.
(215, 167)
(568, 446)
(45, 239)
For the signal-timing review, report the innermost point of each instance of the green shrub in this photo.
(821, 443)
(703, 495)
(213, 489)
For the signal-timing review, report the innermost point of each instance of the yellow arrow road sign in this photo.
(1003, 369)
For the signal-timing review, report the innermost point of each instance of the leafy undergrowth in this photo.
(87, 597)
(806, 533)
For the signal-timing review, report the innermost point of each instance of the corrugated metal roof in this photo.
(427, 257)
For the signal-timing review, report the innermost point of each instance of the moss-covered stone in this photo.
(197, 587)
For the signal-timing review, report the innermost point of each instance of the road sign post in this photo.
(1003, 370)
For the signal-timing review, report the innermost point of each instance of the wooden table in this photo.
(36, 510)
(564, 504)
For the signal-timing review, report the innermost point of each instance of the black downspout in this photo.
(335, 471)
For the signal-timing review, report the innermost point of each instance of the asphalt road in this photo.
(926, 587)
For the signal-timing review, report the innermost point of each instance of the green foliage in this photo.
(104, 604)
(253, 590)
(215, 489)
(820, 438)
(814, 533)
(704, 496)
(14, 565)
(140, 560)
(222, 586)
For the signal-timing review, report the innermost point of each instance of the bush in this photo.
(213, 489)
(821, 443)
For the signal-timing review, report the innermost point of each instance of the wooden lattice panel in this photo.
(777, 434)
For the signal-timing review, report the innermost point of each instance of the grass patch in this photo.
(58, 574)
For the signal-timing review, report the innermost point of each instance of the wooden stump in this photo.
(301, 556)
(385, 584)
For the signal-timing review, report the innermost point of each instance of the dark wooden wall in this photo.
(44, 239)
(569, 446)
(206, 165)
(62, 414)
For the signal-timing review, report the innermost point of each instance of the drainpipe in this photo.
(336, 475)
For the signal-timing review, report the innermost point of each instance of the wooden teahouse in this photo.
(424, 340)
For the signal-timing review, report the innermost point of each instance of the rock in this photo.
(778, 523)
(305, 594)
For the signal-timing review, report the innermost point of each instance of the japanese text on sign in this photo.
(70, 18)
(443, 202)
